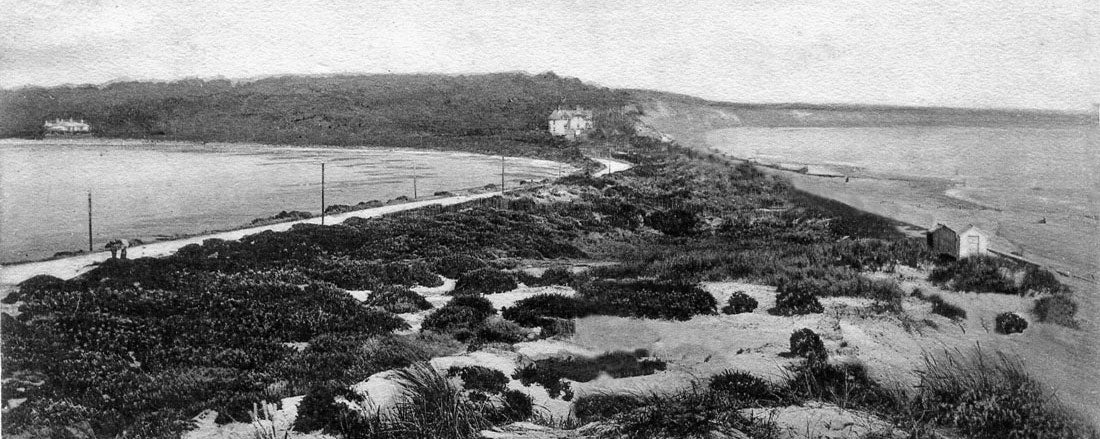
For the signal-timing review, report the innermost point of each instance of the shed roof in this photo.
(561, 114)
(959, 229)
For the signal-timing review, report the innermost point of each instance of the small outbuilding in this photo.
(958, 241)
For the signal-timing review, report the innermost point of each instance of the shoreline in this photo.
(72, 266)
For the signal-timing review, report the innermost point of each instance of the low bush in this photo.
(676, 222)
(554, 385)
(480, 378)
(739, 303)
(941, 307)
(977, 274)
(498, 330)
(552, 276)
(454, 266)
(535, 310)
(319, 410)
(807, 344)
(647, 299)
(454, 320)
(1041, 281)
(991, 396)
(397, 299)
(485, 281)
(691, 413)
(1058, 309)
(1010, 323)
(795, 302)
(599, 406)
(34, 287)
(742, 386)
(515, 406)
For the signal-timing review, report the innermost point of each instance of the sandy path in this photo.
(67, 268)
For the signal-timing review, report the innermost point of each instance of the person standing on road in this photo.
(118, 246)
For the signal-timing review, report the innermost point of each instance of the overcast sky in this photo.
(979, 53)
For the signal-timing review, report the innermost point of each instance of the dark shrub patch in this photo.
(845, 385)
(480, 378)
(554, 385)
(484, 281)
(497, 330)
(454, 266)
(552, 276)
(647, 299)
(478, 303)
(978, 274)
(674, 222)
(398, 299)
(806, 343)
(602, 406)
(1010, 323)
(516, 406)
(1059, 309)
(533, 310)
(742, 386)
(739, 303)
(792, 302)
(320, 411)
(615, 364)
(1041, 281)
(34, 287)
(953, 312)
(450, 319)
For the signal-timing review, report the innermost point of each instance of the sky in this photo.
(977, 53)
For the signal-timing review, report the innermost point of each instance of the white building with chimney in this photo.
(70, 126)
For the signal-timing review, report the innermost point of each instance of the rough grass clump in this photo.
(1059, 309)
(485, 281)
(398, 299)
(845, 384)
(691, 413)
(453, 266)
(991, 396)
(1010, 323)
(807, 344)
(795, 302)
(432, 408)
(739, 303)
(743, 386)
(647, 299)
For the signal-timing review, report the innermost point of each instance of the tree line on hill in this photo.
(393, 110)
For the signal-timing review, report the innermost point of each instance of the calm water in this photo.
(142, 191)
(1020, 169)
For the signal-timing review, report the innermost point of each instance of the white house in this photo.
(59, 126)
(958, 242)
(571, 124)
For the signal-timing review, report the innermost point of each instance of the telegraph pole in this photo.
(414, 186)
(89, 221)
(322, 193)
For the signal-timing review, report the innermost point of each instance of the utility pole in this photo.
(322, 193)
(414, 186)
(502, 174)
(89, 221)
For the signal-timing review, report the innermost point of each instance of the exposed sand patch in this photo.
(820, 421)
